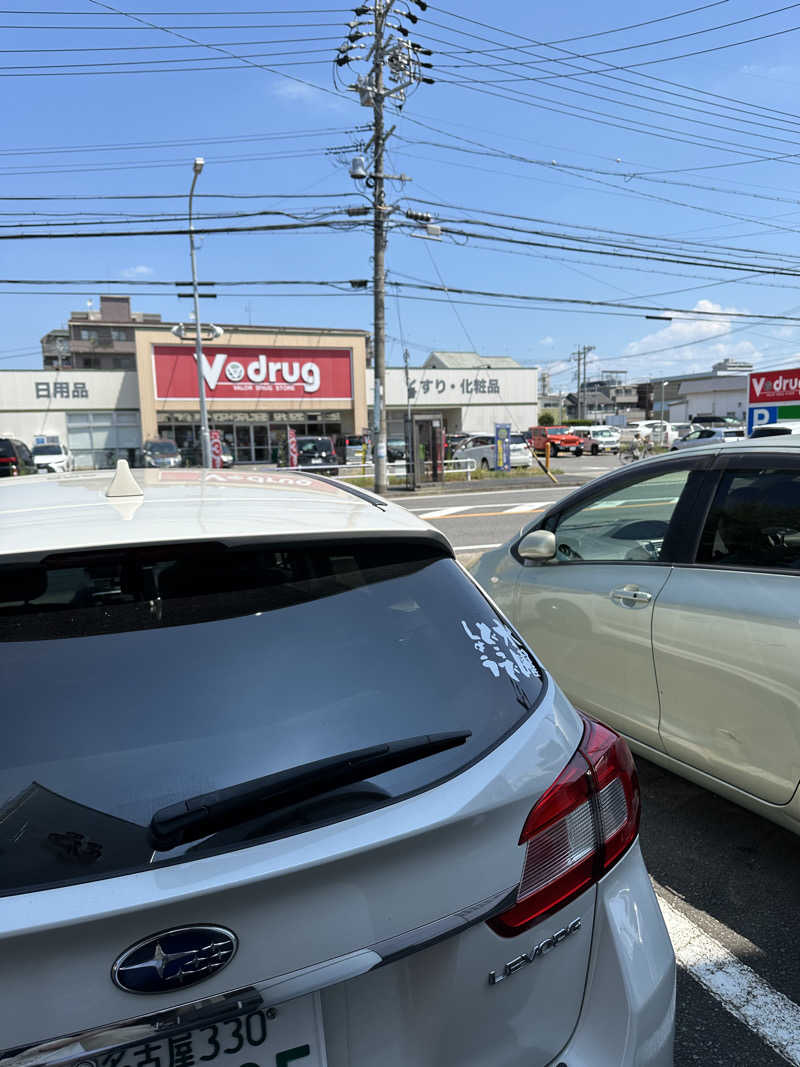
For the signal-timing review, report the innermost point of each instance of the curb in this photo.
(482, 485)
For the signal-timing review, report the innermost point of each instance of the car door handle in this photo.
(632, 594)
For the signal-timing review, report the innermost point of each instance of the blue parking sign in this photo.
(758, 415)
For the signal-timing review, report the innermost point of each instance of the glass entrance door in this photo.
(244, 443)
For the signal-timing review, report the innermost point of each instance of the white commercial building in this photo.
(717, 392)
(94, 412)
(464, 400)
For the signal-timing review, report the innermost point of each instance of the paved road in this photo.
(728, 881)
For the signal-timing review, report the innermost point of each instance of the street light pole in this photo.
(205, 437)
(663, 429)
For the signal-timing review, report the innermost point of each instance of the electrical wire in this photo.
(218, 48)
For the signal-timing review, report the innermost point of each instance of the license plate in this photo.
(289, 1035)
(316, 459)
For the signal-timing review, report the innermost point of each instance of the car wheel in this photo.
(595, 449)
(553, 451)
(579, 451)
(484, 464)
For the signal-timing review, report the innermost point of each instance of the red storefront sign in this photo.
(774, 386)
(253, 373)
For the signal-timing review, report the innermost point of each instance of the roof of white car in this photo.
(57, 512)
(792, 425)
(784, 443)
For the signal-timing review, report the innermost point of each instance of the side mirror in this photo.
(537, 545)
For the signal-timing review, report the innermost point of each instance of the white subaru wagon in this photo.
(280, 785)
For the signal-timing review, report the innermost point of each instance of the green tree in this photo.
(547, 418)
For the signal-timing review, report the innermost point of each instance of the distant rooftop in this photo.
(467, 361)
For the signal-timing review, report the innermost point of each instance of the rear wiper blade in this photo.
(199, 816)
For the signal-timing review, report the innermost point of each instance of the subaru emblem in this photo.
(174, 959)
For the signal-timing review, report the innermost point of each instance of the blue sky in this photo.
(702, 169)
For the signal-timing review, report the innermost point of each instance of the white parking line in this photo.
(474, 548)
(737, 987)
(440, 513)
(490, 492)
(520, 509)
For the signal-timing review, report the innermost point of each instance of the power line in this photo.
(158, 47)
(635, 25)
(581, 72)
(685, 313)
(217, 48)
(275, 135)
(344, 224)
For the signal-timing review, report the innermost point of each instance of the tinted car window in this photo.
(6, 448)
(754, 521)
(47, 450)
(162, 448)
(628, 524)
(173, 671)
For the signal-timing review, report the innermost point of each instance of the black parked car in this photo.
(15, 458)
(161, 453)
(317, 453)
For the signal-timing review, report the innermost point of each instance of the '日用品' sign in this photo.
(243, 373)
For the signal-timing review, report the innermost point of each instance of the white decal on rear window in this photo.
(499, 650)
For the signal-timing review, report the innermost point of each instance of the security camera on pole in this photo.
(393, 50)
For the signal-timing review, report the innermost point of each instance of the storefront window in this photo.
(99, 438)
(249, 438)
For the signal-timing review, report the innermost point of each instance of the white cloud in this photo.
(547, 341)
(296, 92)
(699, 350)
(132, 273)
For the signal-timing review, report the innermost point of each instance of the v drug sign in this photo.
(773, 395)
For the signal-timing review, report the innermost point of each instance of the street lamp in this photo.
(205, 438)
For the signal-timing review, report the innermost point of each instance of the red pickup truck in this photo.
(560, 437)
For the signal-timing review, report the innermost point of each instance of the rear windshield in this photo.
(6, 448)
(47, 450)
(516, 439)
(139, 677)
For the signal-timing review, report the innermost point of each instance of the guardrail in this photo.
(397, 471)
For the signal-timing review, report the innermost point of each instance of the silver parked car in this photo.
(708, 435)
(284, 787)
(482, 448)
(664, 598)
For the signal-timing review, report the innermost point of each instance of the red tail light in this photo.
(580, 827)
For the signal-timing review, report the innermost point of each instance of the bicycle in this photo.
(630, 451)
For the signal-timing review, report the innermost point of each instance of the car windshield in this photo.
(47, 450)
(313, 444)
(516, 439)
(162, 448)
(187, 670)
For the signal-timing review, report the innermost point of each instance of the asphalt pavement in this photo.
(728, 881)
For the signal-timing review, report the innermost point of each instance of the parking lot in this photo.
(727, 880)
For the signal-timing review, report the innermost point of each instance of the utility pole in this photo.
(379, 256)
(581, 354)
(403, 61)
